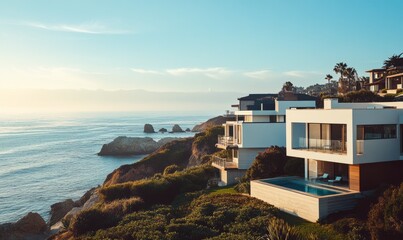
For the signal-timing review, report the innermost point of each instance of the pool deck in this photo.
(302, 204)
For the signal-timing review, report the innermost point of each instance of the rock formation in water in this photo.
(148, 128)
(177, 129)
(31, 226)
(163, 130)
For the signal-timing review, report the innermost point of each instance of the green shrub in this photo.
(171, 169)
(243, 187)
(278, 229)
(162, 189)
(352, 228)
(124, 206)
(180, 231)
(385, 219)
(267, 164)
(294, 166)
(92, 220)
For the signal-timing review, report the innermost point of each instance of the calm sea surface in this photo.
(47, 159)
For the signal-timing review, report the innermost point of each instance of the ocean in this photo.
(49, 158)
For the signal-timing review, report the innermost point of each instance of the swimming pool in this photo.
(302, 186)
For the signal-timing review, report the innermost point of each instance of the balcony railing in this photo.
(226, 140)
(224, 162)
(323, 145)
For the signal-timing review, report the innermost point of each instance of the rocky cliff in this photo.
(216, 121)
(175, 152)
(132, 146)
(204, 145)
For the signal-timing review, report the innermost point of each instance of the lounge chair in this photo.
(323, 177)
(336, 180)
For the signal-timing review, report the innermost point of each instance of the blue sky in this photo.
(191, 46)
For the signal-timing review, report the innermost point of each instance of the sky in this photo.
(208, 46)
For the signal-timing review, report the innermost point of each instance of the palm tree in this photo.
(340, 68)
(351, 77)
(328, 78)
(394, 60)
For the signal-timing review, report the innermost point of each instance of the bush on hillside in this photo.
(92, 220)
(171, 169)
(218, 216)
(294, 166)
(278, 229)
(267, 164)
(385, 219)
(352, 228)
(208, 137)
(163, 189)
(122, 207)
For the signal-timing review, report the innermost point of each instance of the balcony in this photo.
(225, 141)
(322, 145)
(224, 163)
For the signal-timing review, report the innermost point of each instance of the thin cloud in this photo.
(302, 74)
(215, 72)
(86, 28)
(146, 71)
(261, 74)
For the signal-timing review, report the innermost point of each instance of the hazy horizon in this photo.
(72, 100)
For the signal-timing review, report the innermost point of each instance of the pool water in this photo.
(304, 187)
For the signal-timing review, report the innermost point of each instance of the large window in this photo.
(368, 132)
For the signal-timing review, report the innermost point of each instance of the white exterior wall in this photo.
(282, 106)
(246, 156)
(338, 116)
(376, 150)
(262, 135)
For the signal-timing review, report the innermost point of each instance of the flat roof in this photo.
(376, 70)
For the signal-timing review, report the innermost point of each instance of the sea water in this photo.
(49, 158)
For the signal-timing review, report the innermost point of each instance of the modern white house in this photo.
(259, 124)
(349, 148)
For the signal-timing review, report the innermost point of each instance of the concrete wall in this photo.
(231, 176)
(302, 205)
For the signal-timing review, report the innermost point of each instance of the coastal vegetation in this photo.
(181, 152)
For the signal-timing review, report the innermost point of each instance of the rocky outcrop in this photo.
(163, 130)
(132, 146)
(187, 130)
(31, 226)
(216, 121)
(204, 145)
(148, 128)
(175, 152)
(177, 129)
(91, 201)
(58, 210)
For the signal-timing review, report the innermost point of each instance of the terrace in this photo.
(307, 199)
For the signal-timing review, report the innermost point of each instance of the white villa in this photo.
(349, 148)
(259, 124)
